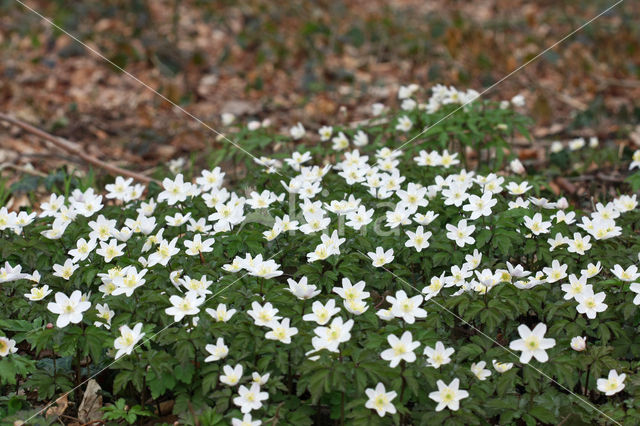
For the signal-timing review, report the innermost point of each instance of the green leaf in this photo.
(543, 414)
(13, 366)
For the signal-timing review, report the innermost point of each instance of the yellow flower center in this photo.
(399, 349)
(380, 401)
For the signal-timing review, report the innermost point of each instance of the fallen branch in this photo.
(74, 149)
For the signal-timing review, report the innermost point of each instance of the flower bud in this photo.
(579, 343)
(516, 166)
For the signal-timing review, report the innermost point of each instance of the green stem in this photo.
(402, 388)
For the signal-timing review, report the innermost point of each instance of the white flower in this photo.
(473, 260)
(250, 398)
(351, 292)
(128, 339)
(401, 349)
(65, 271)
(69, 309)
(557, 241)
(329, 338)
(301, 289)
(536, 225)
(576, 144)
(123, 235)
(200, 287)
(381, 257)
(7, 346)
(358, 218)
(380, 400)
(404, 124)
(408, 105)
(480, 206)
(198, 246)
(53, 205)
(210, 179)
(419, 239)
(517, 167)
(578, 343)
(502, 367)
(627, 275)
(556, 272)
(407, 308)
(439, 355)
(120, 189)
(377, 109)
(247, 420)
(217, 351)
(111, 250)
(405, 92)
(518, 189)
(166, 250)
(575, 287)
(556, 147)
(592, 270)
(264, 269)
(590, 303)
(447, 160)
(385, 314)
(297, 132)
(38, 293)
(360, 139)
(325, 133)
(263, 315)
(448, 396)
(635, 163)
(297, 159)
(532, 343)
(517, 271)
(82, 250)
(221, 314)
(613, 384)
(518, 100)
(356, 307)
(128, 280)
(461, 233)
(175, 191)
(321, 314)
(579, 244)
(232, 375)
(260, 379)
(105, 315)
(635, 287)
(227, 118)
(480, 372)
(281, 331)
(182, 306)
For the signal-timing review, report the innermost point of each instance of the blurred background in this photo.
(315, 62)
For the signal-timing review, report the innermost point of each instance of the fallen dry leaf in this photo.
(91, 403)
(61, 405)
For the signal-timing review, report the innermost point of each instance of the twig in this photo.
(102, 422)
(22, 169)
(566, 185)
(74, 149)
(633, 84)
(274, 421)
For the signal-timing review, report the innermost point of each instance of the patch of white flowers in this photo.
(328, 323)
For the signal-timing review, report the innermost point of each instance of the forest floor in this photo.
(314, 62)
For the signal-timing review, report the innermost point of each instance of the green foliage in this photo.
(120, 411)
(170, 363)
